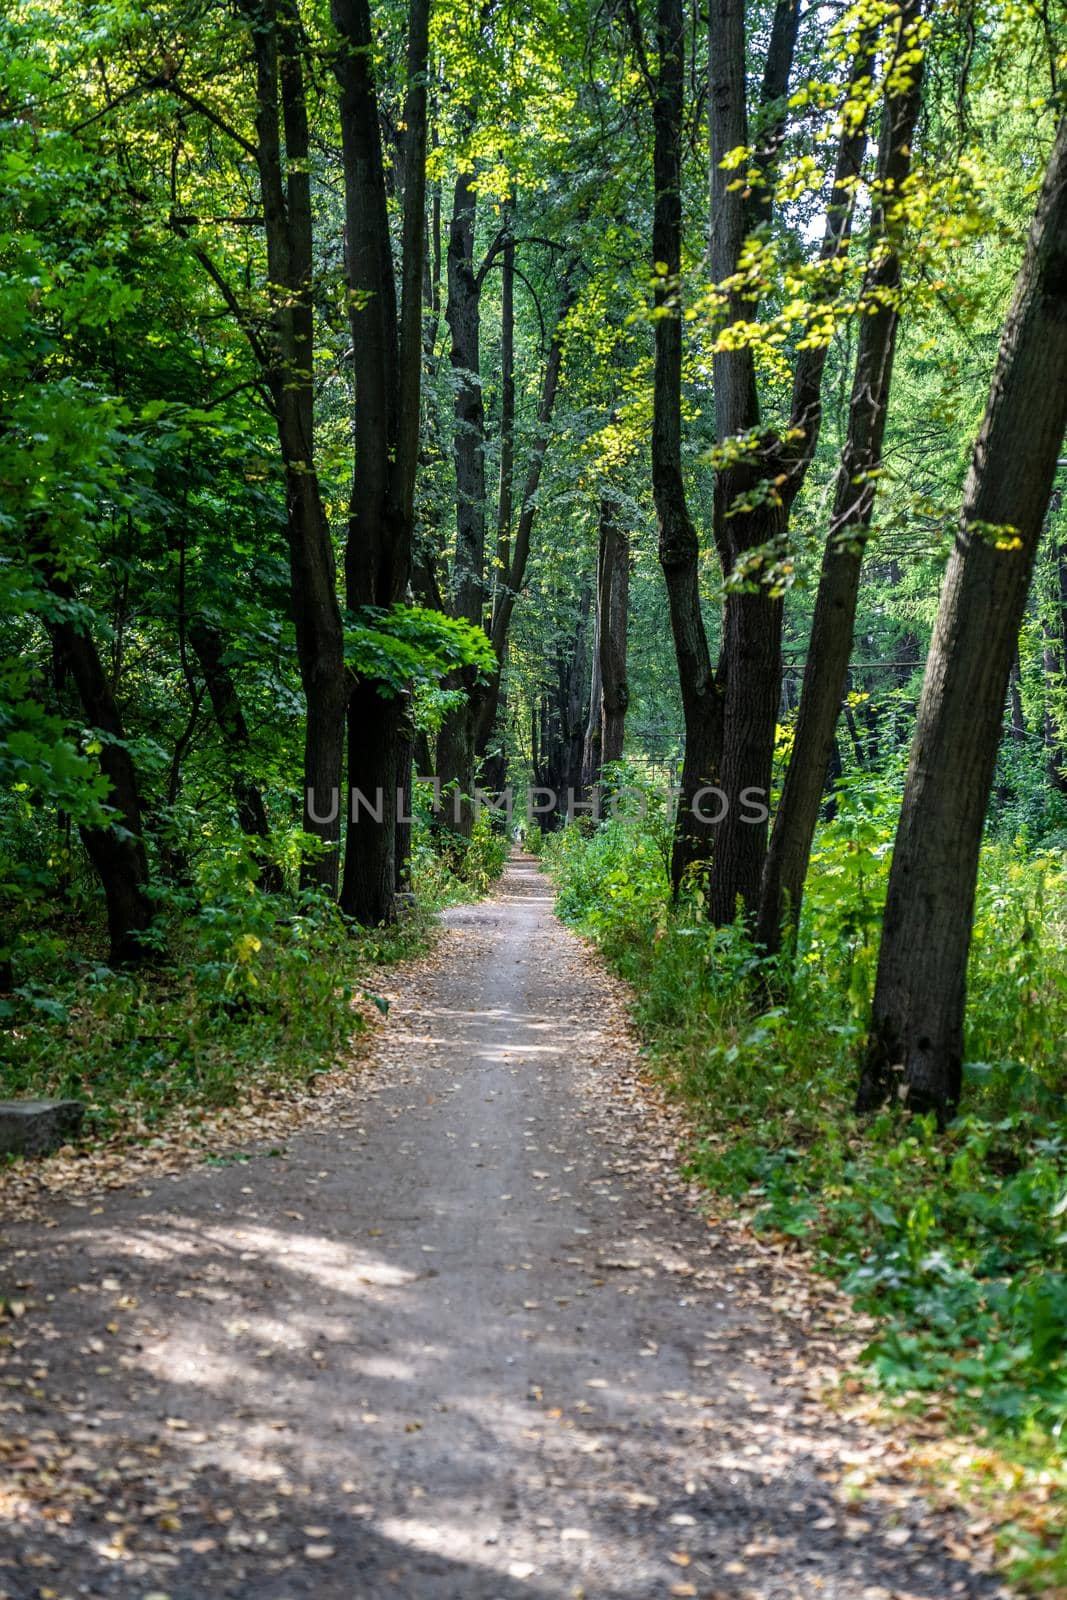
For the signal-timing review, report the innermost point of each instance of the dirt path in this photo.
(468, 1343)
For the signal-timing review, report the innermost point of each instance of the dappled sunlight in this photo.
(460, 1345)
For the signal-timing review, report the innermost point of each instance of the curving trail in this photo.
(472, 1342)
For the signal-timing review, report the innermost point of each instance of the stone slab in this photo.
(34, 1127)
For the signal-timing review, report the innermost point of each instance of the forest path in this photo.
(473, 1342)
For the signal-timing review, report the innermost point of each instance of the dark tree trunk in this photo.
(834, 770)
(575, 705)
(117, 853)
(490, 750)
(916, 1042)
(754, 494)
(679, 550)
(593, 731)
(285, 186)
(463, 315)
(506, 494)
(210, 648)
(455, 742)
(405, 758)
(751, 650)
(560, 767)
(614, 619)
(833, 623)
(858, 752)
(511, 582)
(387, 365)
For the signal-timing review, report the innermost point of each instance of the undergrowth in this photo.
(250, 991)
(955, 1242)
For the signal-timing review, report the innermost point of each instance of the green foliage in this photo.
(257, 995)
(256, 992)
(450, 867)
(413, 647)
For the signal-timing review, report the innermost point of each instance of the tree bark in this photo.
(593, 729)
(833, 623)
(285, 185)
(510, 584)
(679, 549)
(455, 741)
(916, 1041)
(387, 366)
(117, 852)
(210, 649)
(614, 605)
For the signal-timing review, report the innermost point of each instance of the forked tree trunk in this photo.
(490, 746)
(285, 184)
(730, 713)
(916, 1041)
(833, 623)
(283, 161)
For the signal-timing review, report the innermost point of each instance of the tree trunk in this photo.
(455, 742)
(117, 853)
(285, 186)
(834, 771)
(510, 584)
(916, 1042)
(209, 645)
(615, 615)
(755, 492)
(833, 623)
(751, 650)
(593, 729)
(679, 550)
(387, 365)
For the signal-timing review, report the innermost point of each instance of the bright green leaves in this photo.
(410, 646)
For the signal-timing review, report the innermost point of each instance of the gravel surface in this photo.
(475, 1340)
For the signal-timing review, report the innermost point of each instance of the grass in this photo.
(955, 1243)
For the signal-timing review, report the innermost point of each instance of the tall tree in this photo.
(679, 547)
(117, 851)
(283, 159)
(916, 1039)
(833, 623)
(510, 581)
(387, 363)
(608, 707)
